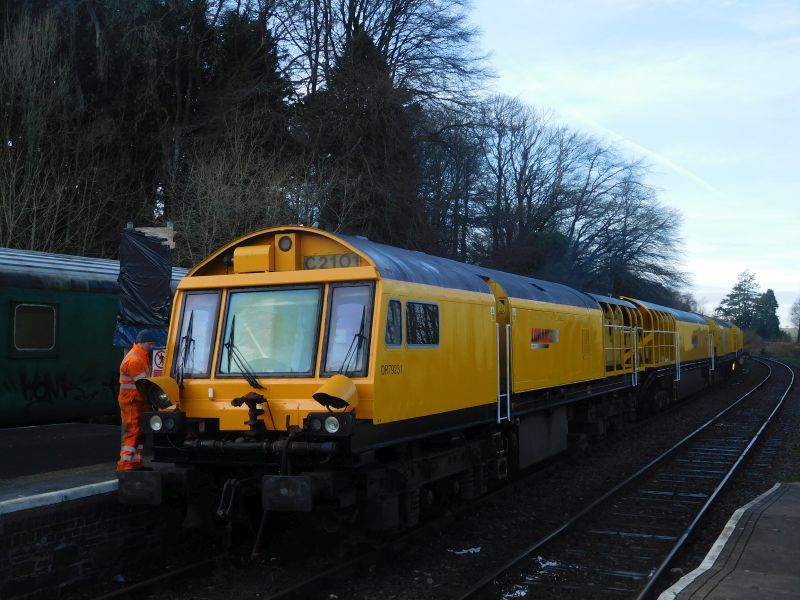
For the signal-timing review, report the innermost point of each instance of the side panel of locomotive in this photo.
(693, 338)
(736, 340)
(554, 345)
(721, 338)
(434, 351)
(728, 339)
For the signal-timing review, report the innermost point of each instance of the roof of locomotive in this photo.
(29, 268)
(418, 267)
(611, 300)
(680, 315)
(721, 322)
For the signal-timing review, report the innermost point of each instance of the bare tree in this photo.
(232, 189)
(449, 151)
(32, 95)
(641, 244)
(519, 170)
(794, 317)
(48, 183)
(428, 45)
(561, 205)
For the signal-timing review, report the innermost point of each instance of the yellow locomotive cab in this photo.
(285, 313)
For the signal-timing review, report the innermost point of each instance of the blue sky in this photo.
(707, 91)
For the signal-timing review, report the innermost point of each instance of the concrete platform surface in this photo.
(757, 556)
(50, 464)
(43, 489)
(43, 448)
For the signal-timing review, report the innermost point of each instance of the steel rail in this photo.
(302, 588)
(527, 552)
(374, 555)
(145, 584)
(688, 531)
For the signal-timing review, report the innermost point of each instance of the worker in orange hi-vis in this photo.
(135, 366)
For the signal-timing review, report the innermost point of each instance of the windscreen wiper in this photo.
(355, 345)
(240, 361)
(185, 349)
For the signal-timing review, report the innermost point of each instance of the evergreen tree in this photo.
(364, 164)
(739, 306)
(765, 320)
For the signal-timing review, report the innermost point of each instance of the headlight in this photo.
(322, 424)
(156, 423)
(170, 422)
(331, 424)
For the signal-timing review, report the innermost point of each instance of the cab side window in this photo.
(422, 324)
(347, 339)
(394, 324)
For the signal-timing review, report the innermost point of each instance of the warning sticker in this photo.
(542, 338)
(158, 361)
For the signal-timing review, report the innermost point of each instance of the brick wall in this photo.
(53, 551)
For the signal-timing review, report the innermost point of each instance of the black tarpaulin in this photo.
(145, 268)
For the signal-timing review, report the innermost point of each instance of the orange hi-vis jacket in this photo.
(135, 366)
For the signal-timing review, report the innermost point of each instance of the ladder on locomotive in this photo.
(502, 313)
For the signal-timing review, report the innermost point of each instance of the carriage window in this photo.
(34, 327)
(394, 324)
(422, 324)
(347, 345)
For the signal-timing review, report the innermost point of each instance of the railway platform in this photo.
(61, 525)
(49, 464)
(757, 555)
(45, 448)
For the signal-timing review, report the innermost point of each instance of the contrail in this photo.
(654, 156)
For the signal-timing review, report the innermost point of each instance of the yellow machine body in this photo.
(552, 344)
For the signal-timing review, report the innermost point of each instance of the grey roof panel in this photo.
(721, 322)
(680, 315)
(418, 267)
(612, 300)
(28, 268)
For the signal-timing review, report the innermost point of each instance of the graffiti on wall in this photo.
(52, 390)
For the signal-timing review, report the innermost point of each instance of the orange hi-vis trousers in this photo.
(134, 367)
(130, 453)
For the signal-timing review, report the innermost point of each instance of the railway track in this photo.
(317, 585)
(620, 544)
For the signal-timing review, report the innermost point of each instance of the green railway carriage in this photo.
(319, 371)
(57, 360)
